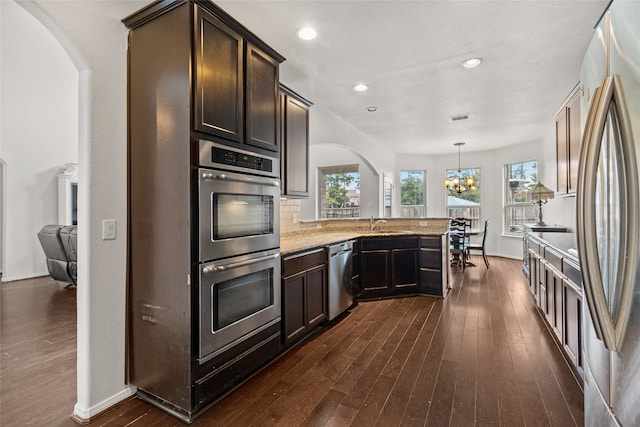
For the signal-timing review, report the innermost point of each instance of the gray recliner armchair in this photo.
(60, 243)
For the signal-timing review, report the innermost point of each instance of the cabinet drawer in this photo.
(572, 272)
(297, 263)
(430, 277)
(534, 246)
(554, 258)
(430, 242)
(430, 258)
(389, 243)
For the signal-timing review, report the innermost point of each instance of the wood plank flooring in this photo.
(480, 357)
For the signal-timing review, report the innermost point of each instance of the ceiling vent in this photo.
(459, 118)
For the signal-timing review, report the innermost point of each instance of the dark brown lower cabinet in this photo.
(388, 266)
(556, 283)
(572, 297)
(304, 293)
(434, 273)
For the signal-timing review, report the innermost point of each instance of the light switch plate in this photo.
(108, 229)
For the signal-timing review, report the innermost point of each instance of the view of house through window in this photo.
(519, 179)
(465, 204)
(339, 190)
(412, 194)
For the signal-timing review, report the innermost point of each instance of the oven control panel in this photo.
(219, 156)
(233, 158)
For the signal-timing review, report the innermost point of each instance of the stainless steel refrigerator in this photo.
(608, 217)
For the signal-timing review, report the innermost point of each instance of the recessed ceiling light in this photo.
(372, 109)
(472, 62)
(360, 87)
(307, 33)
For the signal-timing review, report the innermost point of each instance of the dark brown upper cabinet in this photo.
(219, 81)
(294, 150)
(568, 140)
(236, 85)
(263, 120)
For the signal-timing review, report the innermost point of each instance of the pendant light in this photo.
(459, 184)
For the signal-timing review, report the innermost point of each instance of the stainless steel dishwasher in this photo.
(340, 292)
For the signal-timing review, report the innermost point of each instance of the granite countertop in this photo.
(292, 244)
(563, 242)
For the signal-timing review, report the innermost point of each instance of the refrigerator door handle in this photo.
(608, 97)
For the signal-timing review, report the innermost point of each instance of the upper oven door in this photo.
(239, 214)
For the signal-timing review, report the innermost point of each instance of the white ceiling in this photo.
(409, 54)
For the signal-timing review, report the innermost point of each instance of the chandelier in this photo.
(459, 184)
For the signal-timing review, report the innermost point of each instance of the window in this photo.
(339, 192)
(465, 204)
(412, 194)
(519, 179)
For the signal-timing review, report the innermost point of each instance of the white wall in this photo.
(39, 134)
(332, 141)
(3, 191)
(97, 46)
(491, 164)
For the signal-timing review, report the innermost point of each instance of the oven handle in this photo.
(219, 268)
(210, 176)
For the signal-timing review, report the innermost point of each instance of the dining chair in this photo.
(480, 247)
(458, 241)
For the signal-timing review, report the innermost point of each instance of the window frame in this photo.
(467, 210)
(323, 210)
(532, 214)
(424, 194)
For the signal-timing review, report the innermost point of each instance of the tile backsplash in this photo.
(290, 223)
(289, 215)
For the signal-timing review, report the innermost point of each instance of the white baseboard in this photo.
(24, 277)
(83, 415)
(510, 256)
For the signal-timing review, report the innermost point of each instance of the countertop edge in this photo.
(321, 239)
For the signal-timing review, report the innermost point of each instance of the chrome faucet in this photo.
(373, 224)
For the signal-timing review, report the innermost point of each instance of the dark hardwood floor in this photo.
(480, 357)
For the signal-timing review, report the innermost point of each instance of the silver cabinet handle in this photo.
(219, 268)
(611, 331)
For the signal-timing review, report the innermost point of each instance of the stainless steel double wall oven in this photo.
(239, 240)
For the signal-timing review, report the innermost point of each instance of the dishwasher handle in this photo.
(340, 248)
(346, 251)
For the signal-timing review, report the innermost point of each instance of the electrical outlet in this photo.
(295, 218)
(108, 229)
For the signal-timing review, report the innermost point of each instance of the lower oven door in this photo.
(239, 297)
(239, 214)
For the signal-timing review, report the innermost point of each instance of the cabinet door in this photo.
(558, 301)
(404, 268)
(219, 82)
(293, 306)
(296, 149)
(316, 296)
(262, 106)
(561, 152)
(374, 270)
(533, 272)
(574, 141)
(572, 337)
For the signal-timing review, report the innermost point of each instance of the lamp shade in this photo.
(540, 192)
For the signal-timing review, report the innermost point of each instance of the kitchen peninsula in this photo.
(313, 233)
(392, 256)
